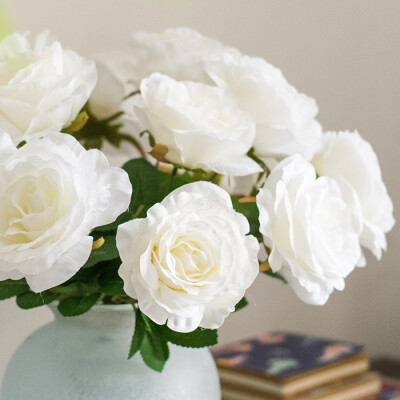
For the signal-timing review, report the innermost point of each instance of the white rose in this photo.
(201, 126)
(177, 52)
(108, 95)
(352, 162)
(308, 227)
(52, 193)
(41, 86)
(189, 262)
(285, 119)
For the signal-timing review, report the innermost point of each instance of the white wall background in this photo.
(344, 53)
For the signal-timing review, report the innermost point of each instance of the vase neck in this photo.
(119, 316)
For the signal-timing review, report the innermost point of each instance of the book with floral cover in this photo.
(284, 364)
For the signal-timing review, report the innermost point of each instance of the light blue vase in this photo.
(85, 358)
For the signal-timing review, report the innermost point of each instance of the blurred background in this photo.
(345, 54)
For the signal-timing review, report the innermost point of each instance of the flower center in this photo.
(187, 262)
(29, 208)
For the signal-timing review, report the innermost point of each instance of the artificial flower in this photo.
(42, 86)
(308, 227)
(352, 162)
(52, 194)
(189, 262)
(200, 125)
(177, 52)
(285, 119)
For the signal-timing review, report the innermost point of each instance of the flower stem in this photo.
(171, 181)
(131, 94)
(134, 142)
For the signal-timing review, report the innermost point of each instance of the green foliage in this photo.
(108, 251)
(78, 305)
(138, 335)
(26, 299)
(149, 186)
(275, 275)
(10, 288)
(32, 300)
(154, 351)
(198, 338)
(250, 211)
(151, 340)
(242, 304)
(114, 287)
(145, 181)
(112, 227)
(152, 141)
(172, 181)
(148, 340)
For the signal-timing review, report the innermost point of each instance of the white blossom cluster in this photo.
(212, 109)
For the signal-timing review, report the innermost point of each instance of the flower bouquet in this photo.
(226, 174)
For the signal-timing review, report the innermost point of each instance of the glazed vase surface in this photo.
(85, 358)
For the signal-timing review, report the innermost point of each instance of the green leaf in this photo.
(168, 183)
(73, 306)
(198, 338)
(10, 288)
(109, 281)
(109, 271)
(32, 300)
(138, 335)
(182, 179)
(276, 275)
(242, 304)
(149, 324)
(114, 288)
(154, 351)
(145, 181)
(108, 251)
(249, 210)
(124, 217)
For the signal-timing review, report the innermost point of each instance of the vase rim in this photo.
(96, 308)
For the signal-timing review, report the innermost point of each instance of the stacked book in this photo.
(389, 369)
(279, 365)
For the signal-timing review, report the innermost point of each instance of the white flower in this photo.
(52, 193)
(285, 119)
(190, 261)
(41, 86)
(308, 227)
(178, 52)
(200, 125)
(108, 95)
(352, 162)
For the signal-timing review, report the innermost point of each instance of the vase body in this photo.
(85, 358)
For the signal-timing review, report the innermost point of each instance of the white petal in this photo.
(64, 268)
